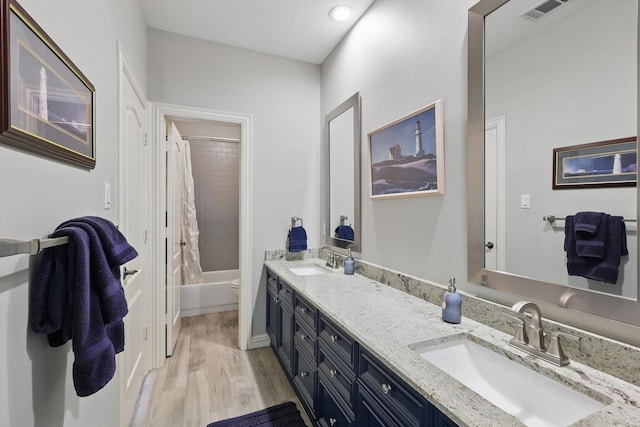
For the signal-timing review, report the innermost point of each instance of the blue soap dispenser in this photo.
(452, 304)
(349, 264)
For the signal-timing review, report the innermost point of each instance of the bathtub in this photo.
(212, 295)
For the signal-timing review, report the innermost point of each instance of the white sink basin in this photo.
(529, 396)
(309, 270)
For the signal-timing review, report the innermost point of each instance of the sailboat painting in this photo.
(407, 155)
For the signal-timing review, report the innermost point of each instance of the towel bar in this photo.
(552, 218)
(10, 247)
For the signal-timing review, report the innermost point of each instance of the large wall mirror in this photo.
(542, 77)
(342, 182)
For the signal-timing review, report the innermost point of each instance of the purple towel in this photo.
(77, 295)
(603, 269)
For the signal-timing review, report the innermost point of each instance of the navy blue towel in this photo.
(344, 232)
(297, 239)
(77, 296)
(590, 230)
(604, 269)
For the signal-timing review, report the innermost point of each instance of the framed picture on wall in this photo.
(612, 163)
(47, 106)
(407, 155)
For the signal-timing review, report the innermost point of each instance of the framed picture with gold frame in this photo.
(47, 106)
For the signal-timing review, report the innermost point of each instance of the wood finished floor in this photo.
(209, 379)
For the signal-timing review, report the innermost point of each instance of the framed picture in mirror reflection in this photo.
(407, 155)
(612, 163)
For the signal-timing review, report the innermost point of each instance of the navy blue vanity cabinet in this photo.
(388, 397)
(304, 362)
(272, 309)
(285, 328)
(331, 409)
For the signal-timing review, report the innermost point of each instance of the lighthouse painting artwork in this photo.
(48, 104)
(612, 163)
(407, 155)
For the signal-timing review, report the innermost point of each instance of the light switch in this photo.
(524, 201)
(107, 195)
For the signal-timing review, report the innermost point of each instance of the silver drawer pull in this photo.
(303, 337)
(303, 310)
(333, 372)
(276, 299)
(332, 421)
(386, 388)
(334, 338)
(303, 374)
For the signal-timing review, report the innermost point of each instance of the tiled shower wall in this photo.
(216, 176)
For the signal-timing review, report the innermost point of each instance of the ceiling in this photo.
(296, 29)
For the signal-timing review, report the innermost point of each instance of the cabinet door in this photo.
(285, 342)
(441, 420)
(304, 377)
(331, 411)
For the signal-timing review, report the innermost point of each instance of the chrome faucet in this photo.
(332, 260)
(530, 339)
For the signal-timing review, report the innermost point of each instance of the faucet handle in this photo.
(520, 334)
(555, 349)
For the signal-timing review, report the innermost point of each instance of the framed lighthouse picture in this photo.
(407, 155)
(47, 106)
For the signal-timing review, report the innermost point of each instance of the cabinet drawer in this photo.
(305, 378)
(272, 284)
(305, 340)
(286, 294)
(330, 411)
(306, 312)
(340, 343)
(371, 414)
(393, 393)
(338, 374)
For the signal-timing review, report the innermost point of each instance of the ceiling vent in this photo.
(542, 9)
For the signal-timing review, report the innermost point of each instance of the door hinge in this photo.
(146, 236)
(146, 139)
(146, 333)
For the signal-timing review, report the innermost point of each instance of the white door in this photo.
(175, 202)
(494, 201)
(134, 361)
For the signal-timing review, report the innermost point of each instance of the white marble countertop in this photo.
(386, 322)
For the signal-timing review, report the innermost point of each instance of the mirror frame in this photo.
(352, 102)
(607, 315)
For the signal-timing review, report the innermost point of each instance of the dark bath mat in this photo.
(282, 415)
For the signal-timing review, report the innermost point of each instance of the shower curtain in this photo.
(191, 269)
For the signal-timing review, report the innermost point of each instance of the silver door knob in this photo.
(489, 245)
(183, 243)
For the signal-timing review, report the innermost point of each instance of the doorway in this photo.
(160, 113)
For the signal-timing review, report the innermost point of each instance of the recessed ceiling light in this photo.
(340, 13)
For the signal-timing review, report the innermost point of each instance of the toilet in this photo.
(235, 286)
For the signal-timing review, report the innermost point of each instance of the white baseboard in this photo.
(259, 341)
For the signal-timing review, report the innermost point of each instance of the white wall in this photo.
(401, 56)
(37, 194)
(283, 96)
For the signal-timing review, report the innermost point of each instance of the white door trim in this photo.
(246, 196)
